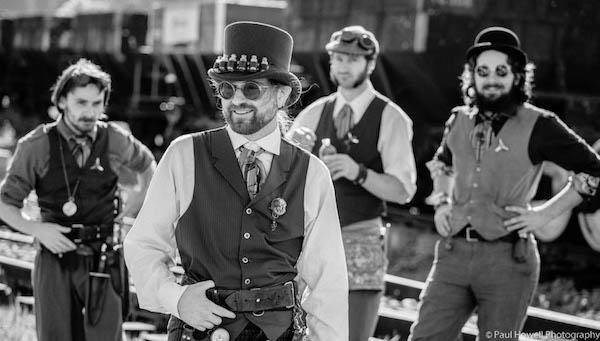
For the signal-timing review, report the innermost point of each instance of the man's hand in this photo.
(527, 220)
(442, 220)
(305, 137)
(52, 237)
(197, 310)
(341, 165)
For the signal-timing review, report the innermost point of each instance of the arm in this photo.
(16, 186)
(322, 265)
(440, 168)
(136, 196)
(552, 140)
(150, 246)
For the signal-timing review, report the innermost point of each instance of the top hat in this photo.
(500, 39)
(255, 50)
(353, 40)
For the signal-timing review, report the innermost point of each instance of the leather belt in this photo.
(256, 300)
(471, 235)
(89, 233)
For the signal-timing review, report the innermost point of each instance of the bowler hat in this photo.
(255, 50)
(353, 40)
(500, 39)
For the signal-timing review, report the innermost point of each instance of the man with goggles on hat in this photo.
(74, 165)
(486, 173)
(252, 215)
(374, 163)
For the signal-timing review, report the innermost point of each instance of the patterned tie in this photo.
(343, 121)
(252, 169)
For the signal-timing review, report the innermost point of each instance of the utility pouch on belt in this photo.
(521, 250)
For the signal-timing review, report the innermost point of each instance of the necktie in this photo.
(343, 121)
(81, 151)
(252, 169)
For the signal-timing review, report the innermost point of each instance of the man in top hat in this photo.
(252, 216)
(485, 173)
(374, 163)
(74, 165)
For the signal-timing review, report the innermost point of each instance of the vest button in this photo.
(247, 281)
(475, 185)
(478, 169)
(245, 260)
(469, 218)
(246, 235)
(248, 210)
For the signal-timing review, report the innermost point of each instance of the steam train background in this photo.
(158, 55)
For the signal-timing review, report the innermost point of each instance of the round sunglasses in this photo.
(484, 71)
(251, 90)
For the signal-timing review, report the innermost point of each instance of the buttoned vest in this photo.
(226, 237)
(504, 176)
(95, 196)
(353, 201)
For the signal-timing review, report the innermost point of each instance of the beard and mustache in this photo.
(503, 104)
(248, 123)
(359, 80)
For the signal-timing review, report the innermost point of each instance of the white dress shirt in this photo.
(150, 246)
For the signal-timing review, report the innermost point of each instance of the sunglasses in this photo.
(348, 37)
(251, 90)
(484, 71)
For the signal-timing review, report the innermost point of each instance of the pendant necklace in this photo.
(69, 208)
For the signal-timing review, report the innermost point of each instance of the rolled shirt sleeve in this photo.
(125, 150)
(150, 246)
(28, 163)
(322, 263)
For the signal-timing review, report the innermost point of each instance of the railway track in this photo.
(397, 310)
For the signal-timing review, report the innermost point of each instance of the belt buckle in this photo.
(468, 235)
(291, 285)
(79, 238)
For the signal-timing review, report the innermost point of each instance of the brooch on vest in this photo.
(278, 208)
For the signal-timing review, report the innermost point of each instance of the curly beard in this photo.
(504, 104)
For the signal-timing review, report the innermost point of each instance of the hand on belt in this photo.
(255, 300)
(89, 233)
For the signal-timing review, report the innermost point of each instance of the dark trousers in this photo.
(60, 287)
(480, 275)
(363, 306)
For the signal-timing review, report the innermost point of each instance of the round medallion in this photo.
(219, 334)
(69, 208)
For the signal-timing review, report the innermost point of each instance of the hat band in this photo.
(231, 63)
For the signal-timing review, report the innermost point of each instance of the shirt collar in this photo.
(68, 133)
(358, 104)
(270, 143)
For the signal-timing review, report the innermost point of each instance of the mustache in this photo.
(242, 106)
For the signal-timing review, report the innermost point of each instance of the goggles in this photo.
(484, 71)
(251, 90)
(364, 41)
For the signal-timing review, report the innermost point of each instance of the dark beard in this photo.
(504, 104)
(361, 78)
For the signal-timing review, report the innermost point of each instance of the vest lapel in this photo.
(227, 164)
(278, 174)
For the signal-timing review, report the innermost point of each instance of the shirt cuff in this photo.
(170, 294)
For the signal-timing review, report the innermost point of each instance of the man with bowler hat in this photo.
(373, 163)
(252, 216)
(74, 165)
(486, 173)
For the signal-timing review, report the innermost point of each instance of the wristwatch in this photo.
(362, 175)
